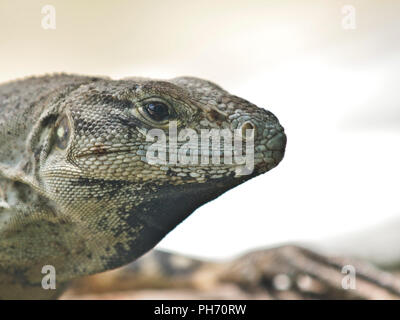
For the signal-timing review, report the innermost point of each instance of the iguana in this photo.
(77, 191)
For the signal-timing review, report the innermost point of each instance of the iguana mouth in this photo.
(97, 153)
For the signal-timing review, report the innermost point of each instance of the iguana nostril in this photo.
(278, 142)
(247, 126)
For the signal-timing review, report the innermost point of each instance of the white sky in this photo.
(335, 91)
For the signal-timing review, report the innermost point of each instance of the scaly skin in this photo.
(76, 191)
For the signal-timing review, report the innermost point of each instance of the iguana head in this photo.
(104, 168)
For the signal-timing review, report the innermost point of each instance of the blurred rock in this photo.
(286, 272)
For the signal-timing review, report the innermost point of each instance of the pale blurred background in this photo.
(335, 90)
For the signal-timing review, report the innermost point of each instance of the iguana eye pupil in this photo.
(62, 133)
(157, 111)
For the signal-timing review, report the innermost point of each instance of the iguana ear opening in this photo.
(38, 145)
(62, 133)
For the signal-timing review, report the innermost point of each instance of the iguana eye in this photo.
(157, 111)
(62, 133)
